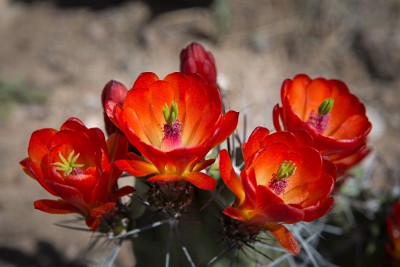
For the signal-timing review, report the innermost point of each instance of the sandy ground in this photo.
(70, 53)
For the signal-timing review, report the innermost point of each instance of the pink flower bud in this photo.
(116, 92)
(195, 59)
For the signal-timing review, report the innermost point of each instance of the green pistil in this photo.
(67, 165)
(326, 106)
(170, 115)
(286, 170)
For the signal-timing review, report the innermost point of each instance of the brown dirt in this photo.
(70, 53)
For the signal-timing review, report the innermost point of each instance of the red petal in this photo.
(254, 143)
(126, 190)
(101, 210)
(228, 125)
(73, 124)
(92, 223)
(273, 209)
(276, 114)
(39, 144)
(117, 145)
(55, 206)
(317, 211)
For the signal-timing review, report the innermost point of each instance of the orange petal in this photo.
(136, 166)
(229, 176)
(284, 237)
(164, 177)
(317, 91)
(200, 180)
(236, 213)
(145, 79)
(203, 164)
(295, 91)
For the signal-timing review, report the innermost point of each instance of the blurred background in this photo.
(57, 55)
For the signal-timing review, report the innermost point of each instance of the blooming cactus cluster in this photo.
(163, 130)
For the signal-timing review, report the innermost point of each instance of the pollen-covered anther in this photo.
(68, 165)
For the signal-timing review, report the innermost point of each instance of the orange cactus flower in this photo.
(173, 123)
(75, 164)
(195, 59)
(330, 113)
(393, 227)
(284, 181)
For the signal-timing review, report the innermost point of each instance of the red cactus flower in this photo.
(116, 92)
(393, 228)
(330, 113)
(75, 164)
(195, 59)
(284, 180)
(173, 123)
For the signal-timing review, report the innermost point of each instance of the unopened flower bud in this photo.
(114, 91)
(195, 59)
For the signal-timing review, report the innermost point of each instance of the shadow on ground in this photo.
(45, 255)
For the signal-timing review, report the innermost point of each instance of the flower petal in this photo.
(55, 206)
(229, 176)
(200, 180)
(284, 237)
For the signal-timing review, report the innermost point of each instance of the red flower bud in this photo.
(75, 165)
(195, 59)
(114, 91)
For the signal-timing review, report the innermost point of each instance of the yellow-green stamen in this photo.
(69, 164)
(286, 170)
(326, 106)
(170, 115)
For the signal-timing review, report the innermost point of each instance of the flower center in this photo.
(320, 120)
(68, 165)
(279, 181)
(172, 128)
